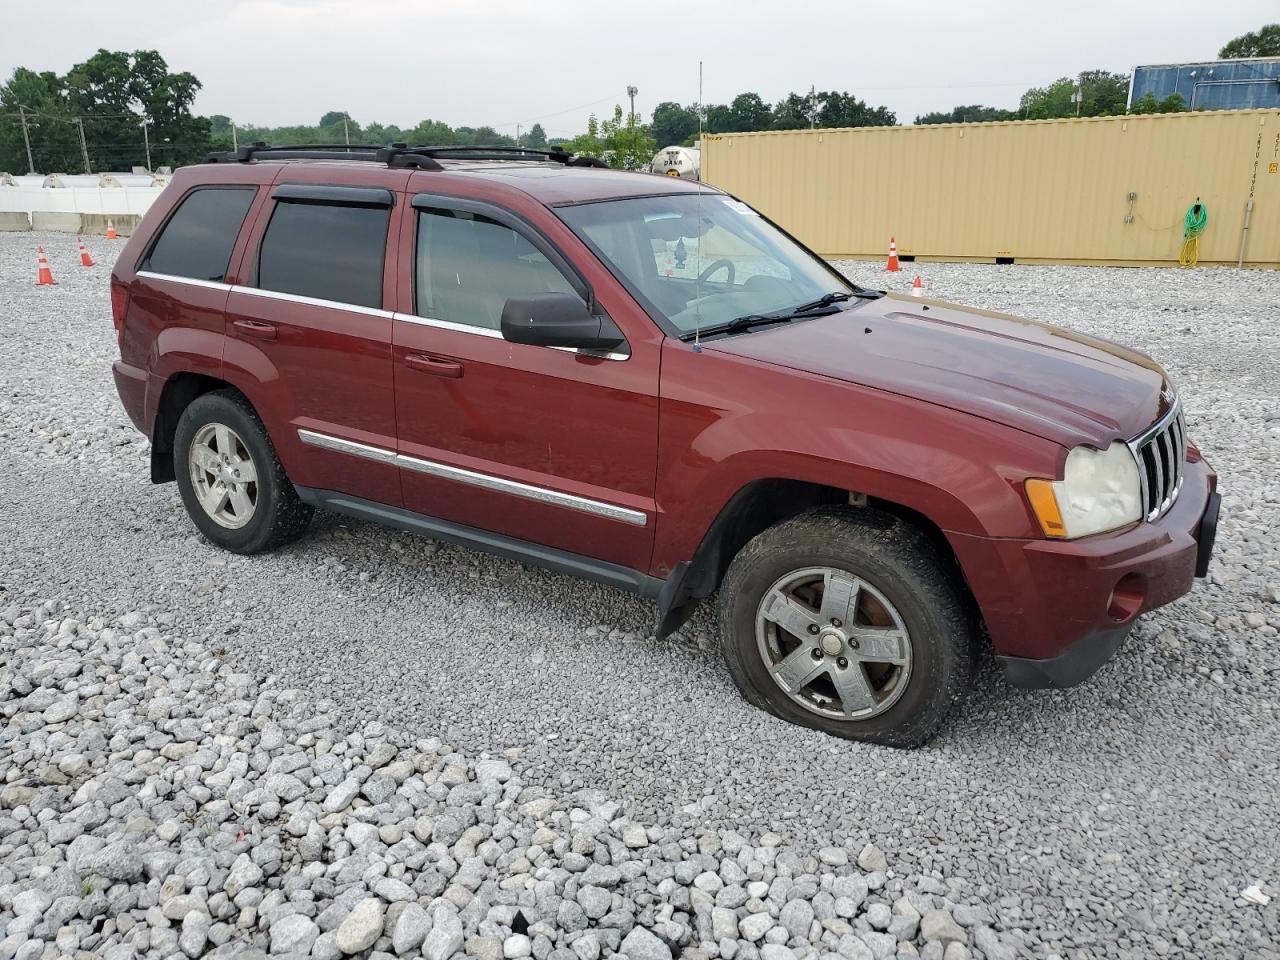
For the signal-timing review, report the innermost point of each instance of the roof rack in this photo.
(399, 154)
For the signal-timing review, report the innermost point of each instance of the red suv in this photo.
(642, 380)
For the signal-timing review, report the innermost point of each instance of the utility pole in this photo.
(813, 106)
(631, 92)
(346, 134)
(517, 134)
(234, 144)
(26, 138)
(146, 142)
(84, 151)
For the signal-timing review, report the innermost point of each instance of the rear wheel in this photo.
(850, 622)
(230, 479)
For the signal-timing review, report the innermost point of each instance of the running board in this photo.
(561, 561)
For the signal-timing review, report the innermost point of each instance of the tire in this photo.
(905, 592)
(264, 513)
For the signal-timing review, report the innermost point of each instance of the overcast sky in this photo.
(499, 62)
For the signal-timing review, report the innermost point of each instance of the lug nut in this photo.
(813, 628)
(816, 653)
(842, 662)
(835, 622)
(853, 643)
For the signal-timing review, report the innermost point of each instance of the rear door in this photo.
(310, 332)
(547, 445)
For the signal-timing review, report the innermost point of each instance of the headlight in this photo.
(1099, 491)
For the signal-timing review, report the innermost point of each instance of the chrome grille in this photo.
(1161, 453)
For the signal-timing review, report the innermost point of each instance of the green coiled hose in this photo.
(1193, 225)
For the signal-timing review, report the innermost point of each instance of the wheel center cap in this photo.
(831, 643)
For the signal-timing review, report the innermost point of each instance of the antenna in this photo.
(697, 207)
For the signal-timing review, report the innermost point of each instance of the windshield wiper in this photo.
(823, 306)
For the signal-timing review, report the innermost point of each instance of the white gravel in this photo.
(203, 753)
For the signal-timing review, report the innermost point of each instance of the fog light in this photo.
(1126, 599)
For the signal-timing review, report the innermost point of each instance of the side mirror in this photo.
(557, 320)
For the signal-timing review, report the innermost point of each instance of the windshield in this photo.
(700, 260)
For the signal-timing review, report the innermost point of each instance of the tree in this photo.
(111, 93)
(1103, 94)
(673, 124)
(749, 112)
(793, 112)
(1043, 103)
(1147, 103)
(845, 110)
(1264, 42)
(114, 91)
(332, 118)
(970, 114)
(535, 138)
(55, 144)
(620, 142)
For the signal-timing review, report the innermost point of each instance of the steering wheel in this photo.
(713, 267)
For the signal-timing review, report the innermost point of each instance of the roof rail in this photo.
(399, 154)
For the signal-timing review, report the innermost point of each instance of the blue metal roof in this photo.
(1213, 85)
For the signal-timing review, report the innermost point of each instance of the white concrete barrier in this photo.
(77, 203)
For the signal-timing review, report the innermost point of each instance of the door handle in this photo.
(439, 366)
(256, 328)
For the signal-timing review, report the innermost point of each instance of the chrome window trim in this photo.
(486, 481)
(189, 281)
(449, 325)
(497, 334)
(313, 301)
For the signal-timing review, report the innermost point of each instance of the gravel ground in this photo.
(1130, 817)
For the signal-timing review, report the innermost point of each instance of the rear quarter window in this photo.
(196, 241)
(327, 251)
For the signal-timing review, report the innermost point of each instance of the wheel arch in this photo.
(754, 508)
(179, 391)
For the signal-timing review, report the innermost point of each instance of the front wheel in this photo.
(848, 621)
(230, 479)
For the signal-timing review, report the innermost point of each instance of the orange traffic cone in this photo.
(892, 265)
(111, 231)
(45, 278)
(85, 259)
(917, 288)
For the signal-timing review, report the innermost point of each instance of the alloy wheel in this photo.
(834, 643)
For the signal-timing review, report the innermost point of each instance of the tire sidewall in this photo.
(937, 672)
(219, 408)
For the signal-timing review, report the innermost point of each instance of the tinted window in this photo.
(468, 265)
(197, 240)
(326, 251)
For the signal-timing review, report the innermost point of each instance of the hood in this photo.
(1055, 383)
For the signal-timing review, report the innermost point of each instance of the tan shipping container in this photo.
(1036, 191)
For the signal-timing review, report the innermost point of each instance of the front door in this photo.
(547, 445)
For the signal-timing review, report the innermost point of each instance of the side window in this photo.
(324, 250)
(197, 240)
(468, 265)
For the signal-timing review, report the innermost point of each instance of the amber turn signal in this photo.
(1045, 504)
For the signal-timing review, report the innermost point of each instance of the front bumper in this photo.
(1058, 610)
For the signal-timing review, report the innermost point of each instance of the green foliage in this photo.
(1147, 103)
(975, 113)
(621, 143)
(846, 110)
(1103, 95)
(112, 91)
(535, 138)
(673, 124)
(1264, 42)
